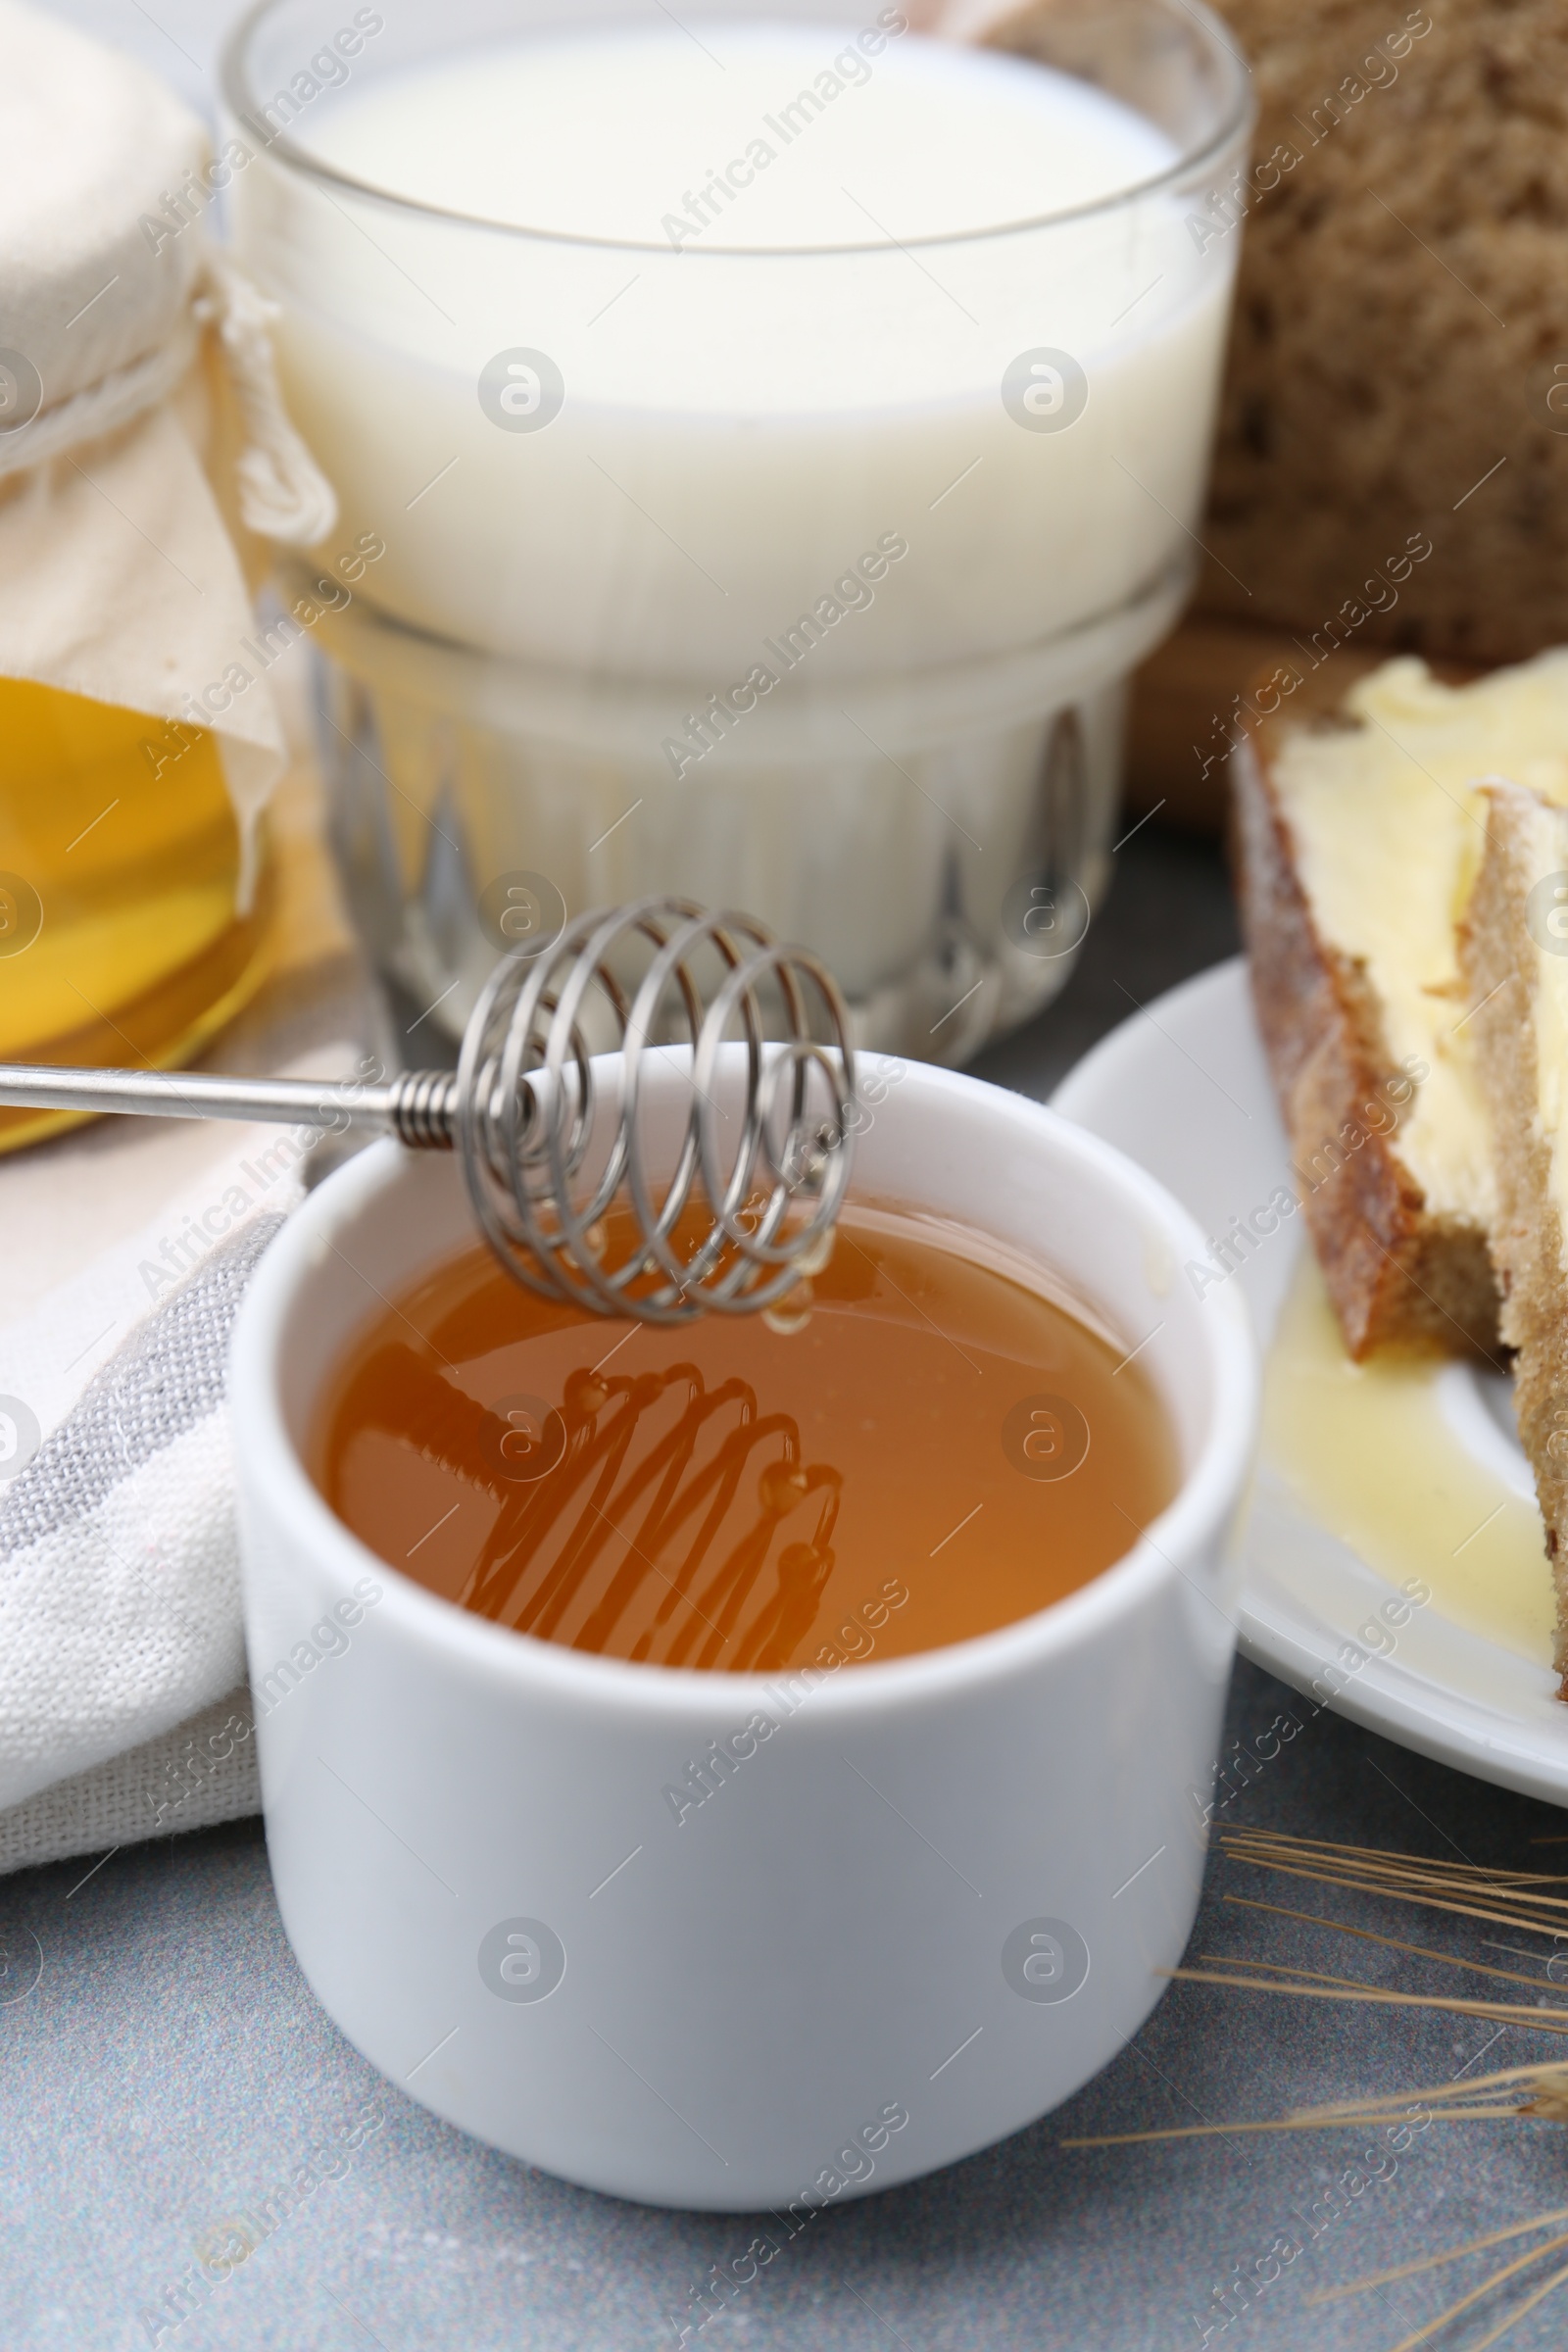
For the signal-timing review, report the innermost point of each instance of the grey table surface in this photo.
(169, 2066)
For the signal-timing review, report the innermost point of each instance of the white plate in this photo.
(1183, 1087)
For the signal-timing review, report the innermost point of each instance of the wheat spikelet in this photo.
(1538, 2092)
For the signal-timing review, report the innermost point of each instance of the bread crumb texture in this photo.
(1401, 323)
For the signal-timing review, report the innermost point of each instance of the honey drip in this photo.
(667, 1459)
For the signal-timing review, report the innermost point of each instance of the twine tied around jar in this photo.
(283, 493)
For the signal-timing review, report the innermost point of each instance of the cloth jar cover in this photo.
(137, 403)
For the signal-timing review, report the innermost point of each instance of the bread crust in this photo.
(1396, 1272)
(1496, 956)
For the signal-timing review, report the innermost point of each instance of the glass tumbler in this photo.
(802, 581)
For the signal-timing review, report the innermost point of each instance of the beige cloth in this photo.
(132, 351)
(96, 1751)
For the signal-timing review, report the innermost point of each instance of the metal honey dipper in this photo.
(525, 1110)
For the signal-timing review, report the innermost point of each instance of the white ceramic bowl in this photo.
(919, 1909)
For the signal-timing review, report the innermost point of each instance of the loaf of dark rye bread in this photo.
(1398, 356)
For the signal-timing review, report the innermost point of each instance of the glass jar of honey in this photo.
(122, 934)
(145, 461)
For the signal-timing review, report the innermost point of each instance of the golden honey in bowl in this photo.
(121, 937)
(921, 1446)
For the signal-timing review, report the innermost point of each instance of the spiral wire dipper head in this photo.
(755, 1180)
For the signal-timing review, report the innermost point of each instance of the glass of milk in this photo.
(766, 441)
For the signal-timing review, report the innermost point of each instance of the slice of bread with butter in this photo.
(1514, 955)
(1360, 824)
(1402, 860)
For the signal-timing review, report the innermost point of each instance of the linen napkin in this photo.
(120, 1607)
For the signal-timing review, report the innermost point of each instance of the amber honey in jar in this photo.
(147, 470)
(122, 940)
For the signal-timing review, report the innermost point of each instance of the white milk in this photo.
(737, 429)
(588, 137)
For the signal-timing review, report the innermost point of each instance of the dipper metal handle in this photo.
(419, 1108)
